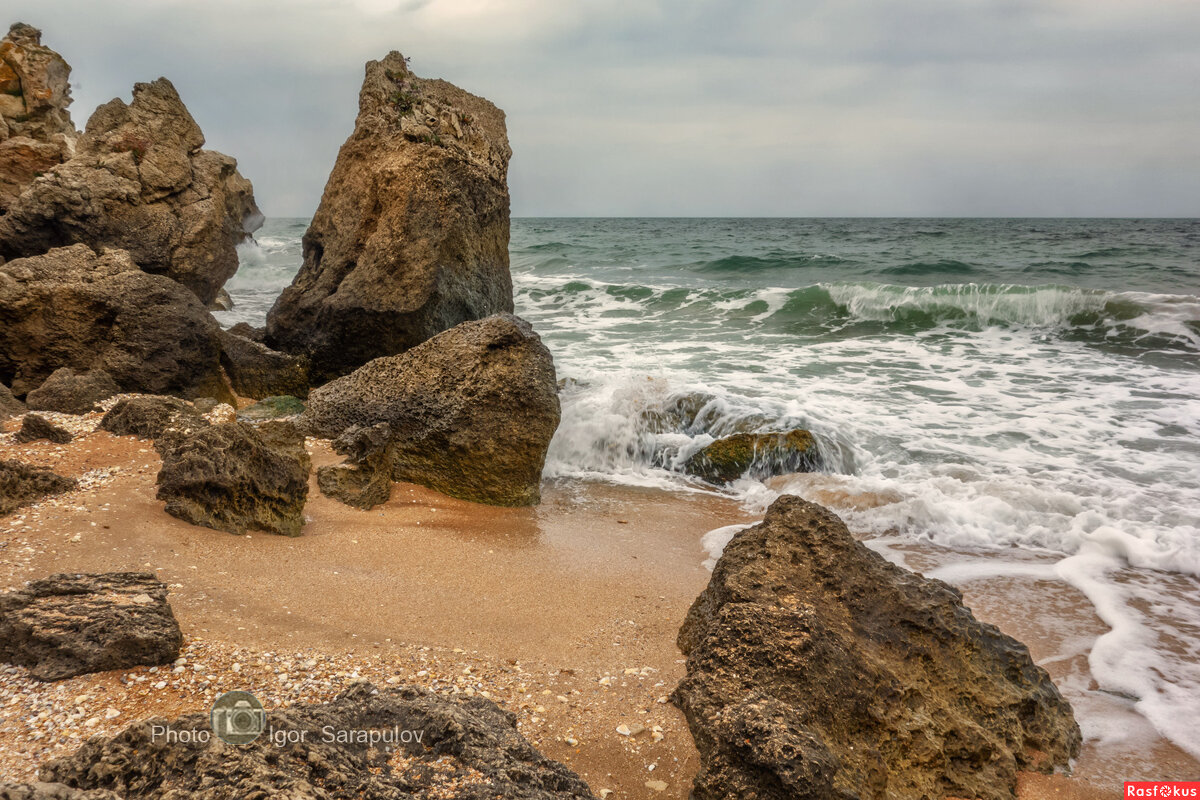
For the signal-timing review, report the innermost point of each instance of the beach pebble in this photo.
(657, 786)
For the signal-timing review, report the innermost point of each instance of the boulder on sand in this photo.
(236, 477)
(35, 427)
(21, 485)
(74, 308)
(69, 392)
(139, 181)
(149, 417)
(465, 748)
(411, 236)
(471, 411)
(68, 625)
(816, 669)
(364, 480)
(36, 131)
(760, 455)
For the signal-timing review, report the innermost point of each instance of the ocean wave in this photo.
(940, 267)
(753, 264)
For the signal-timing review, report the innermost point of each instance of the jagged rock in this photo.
(71, 392)
(236, 477)
(22, 485)
(74, 308)
(272, 408)
(469, 748)
(222, 302)
(51, 791)
(9, 405)
(364, 479)
(36, 131)
(149, 417)
(411, 237)
(758, 454)
(68, 625)
(471, 411)
(816, 669)
(36, 428)
(257, 371)
(140, 182)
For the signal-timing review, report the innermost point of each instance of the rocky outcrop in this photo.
(149, 417)
(471, 411)
(9, 405)
(236, 477)
(411, 237)
(257, 371)
(758, 455)
(816, 669)
(22, 485)
(36, 132)
(74, 308)
(35, 427)
(68, 625)
(364, 480)
(139, 181)
(467, 748)
(71, 392)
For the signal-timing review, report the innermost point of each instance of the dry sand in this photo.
(565, 614)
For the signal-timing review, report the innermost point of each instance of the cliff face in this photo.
(411, 237)
(36, 132)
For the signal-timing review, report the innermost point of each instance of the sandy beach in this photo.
(565, 614)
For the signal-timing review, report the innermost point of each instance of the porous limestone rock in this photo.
(256, 371)
(236, 477)
(22, 485)
(816, 670)
(364, 480)
(74, 308)
(149, 416)
(69, 392)
(36, 131)
(141, 182)
(471, 411)
(35, 427)
(69, 624)
(468, 748)
(9, 405)
(411, 236)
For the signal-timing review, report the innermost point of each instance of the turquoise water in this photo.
(1023, 388)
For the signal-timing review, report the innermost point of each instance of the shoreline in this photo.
(565, 613)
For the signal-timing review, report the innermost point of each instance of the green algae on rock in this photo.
(759, 454)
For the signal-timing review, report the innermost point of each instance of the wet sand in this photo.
(566, 614)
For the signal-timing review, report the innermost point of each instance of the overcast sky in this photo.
(687, 107)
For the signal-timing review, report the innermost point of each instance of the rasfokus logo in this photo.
(1162, 790)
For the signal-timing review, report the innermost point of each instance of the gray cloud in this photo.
(674, 107)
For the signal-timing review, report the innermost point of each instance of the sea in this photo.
(1022, 393)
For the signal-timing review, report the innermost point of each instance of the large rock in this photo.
(471, 411)
(51, 791)
(236, 477)
(467, 748)
(364, 480)
(149, 417)
(140, 182)
(758, 455)
(22, 485)
(71, 392)
(36, 132)
(68, 625)
(816, 669)
(257, 371)
(74, 308)
(411, 237)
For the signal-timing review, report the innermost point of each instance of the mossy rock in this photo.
(272, 408)
(760, 455)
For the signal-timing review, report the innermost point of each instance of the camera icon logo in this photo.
(238, 717)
